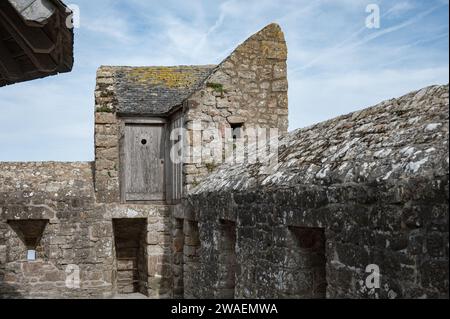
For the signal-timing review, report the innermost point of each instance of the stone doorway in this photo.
(130, 248)
(306, 263)
(227, 260)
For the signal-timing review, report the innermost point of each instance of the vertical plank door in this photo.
(144, 162)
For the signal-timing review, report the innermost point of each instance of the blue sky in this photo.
(336, 64)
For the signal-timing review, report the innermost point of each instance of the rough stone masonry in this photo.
(363, 189)
(368, 188)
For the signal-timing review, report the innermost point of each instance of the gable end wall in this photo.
(250, 86)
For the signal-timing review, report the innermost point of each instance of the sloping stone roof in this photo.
(400, 138)
(156, 90)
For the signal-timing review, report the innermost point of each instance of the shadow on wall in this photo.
(8, 291)
(142, 253)
(130, 255)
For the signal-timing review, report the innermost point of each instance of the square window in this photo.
(31, 255)
(30, 232)
(237, 131)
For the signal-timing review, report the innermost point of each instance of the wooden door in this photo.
(174, 171)
(144, 162)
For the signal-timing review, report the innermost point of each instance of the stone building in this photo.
(365, 189)
(343, 195)
(112, 219)
(36, 39)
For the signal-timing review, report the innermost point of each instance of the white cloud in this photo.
(345, 93)
(330, 51)
(400, 8)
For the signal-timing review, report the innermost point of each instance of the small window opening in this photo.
(31, 255)
(30, 232)
(237, 131)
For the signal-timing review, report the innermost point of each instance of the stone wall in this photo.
(155, 247)
(366, 188)
(79, 233)
(413, 259)
(108, 133)
(178, 258)
(374, 182)
(107, 129)
(75, 234)
(249, 87)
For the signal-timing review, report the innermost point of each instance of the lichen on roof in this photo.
(156, 90)
(170, 77)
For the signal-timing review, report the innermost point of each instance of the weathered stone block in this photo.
(105, 118)
(274, 50)
(111, 154)
(280, 71)
(280, 86)
(152, 238)
(236, 119)
(155, 250)
(106, 141)
(2, 254)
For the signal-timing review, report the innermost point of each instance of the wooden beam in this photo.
(149, 120)
(36, 39)
(8, 66)
(57, 56)
(43, 62)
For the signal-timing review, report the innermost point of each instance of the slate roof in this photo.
(394, 140)
(156, 90)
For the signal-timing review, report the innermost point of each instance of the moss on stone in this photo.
(104, 109)
(171, 77)
(217, 87)
(211, 167)
(195, 183)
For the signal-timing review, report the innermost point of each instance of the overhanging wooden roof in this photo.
(35, 40)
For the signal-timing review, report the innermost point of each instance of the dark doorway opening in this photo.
(178, 259)
(191, 258)
(227, 260)
(130, 246)
(307, 263)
